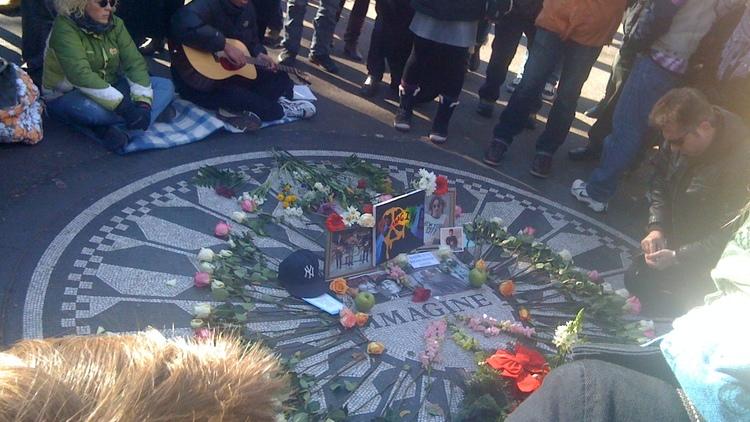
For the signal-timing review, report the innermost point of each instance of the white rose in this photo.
(196, 323)
(225, 253)
(566, 255)
(239, 216)
(497, 220)
(216, 284)
(205, 255)
(202, 310)
(207, 267)
(607, 288)
(444, 252)
(401, 259)
(366, 220)
(646, 324)
(231, 243)
(351, 216)
(623, 292)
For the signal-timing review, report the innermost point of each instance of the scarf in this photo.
(89, 25)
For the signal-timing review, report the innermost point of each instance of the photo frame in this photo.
(349, 251)
(399, 226)
(453, 237)
(440, 212)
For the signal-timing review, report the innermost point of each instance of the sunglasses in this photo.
(104, 3)
(681, 140)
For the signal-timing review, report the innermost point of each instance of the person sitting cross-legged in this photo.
(94, 77)
(211, 26)
(701, 180)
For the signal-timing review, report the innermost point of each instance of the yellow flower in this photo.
(362, 319)
(280, 196)
(375, 348)
(291, 198)
(338, 286)
(481, 265)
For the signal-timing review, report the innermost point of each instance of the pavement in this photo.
(45, 187)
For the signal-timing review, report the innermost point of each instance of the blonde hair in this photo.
(684, 107)
(71, 7)
(140, 377)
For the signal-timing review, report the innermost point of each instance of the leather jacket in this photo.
(693, 198)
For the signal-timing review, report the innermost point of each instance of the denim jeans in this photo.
(324, 23)
(78, 110)
(646, 84)
(593, 390)
(547, 51)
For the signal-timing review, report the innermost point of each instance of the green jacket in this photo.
(78, 59)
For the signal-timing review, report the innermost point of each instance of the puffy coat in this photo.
(587, 22)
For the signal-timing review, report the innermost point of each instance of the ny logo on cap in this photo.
(309, 271)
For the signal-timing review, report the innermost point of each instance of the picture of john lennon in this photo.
(349, 252)
(439, 282)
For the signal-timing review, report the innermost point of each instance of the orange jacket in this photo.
(587, 22)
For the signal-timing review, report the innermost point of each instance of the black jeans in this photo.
(259, 96)
(269, 15)
(36, 23)
(437, 65)
(391, 41)
(670, 292)
(592, 390)
(356, 20)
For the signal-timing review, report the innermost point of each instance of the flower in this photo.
(566, 255)
(224, 191)
(231, 243)
(384, 197)
(366, 220)
(507, 288)
(526, 366)
(351, 216)
(375, 348)
(326, 208)
(647, 328)
(595, 277)
(217, 284)
(524, 314)
(426, 181)
(607, 288)
(292, 212)
(202, 310)
(362, 184)
(347, 318)
(434, 336)
(205, 255)
(335, 223)
(225, 253)
(320, 188)
(566, 335)
(338, 286)
(528, 231)
(481, 265)
(203, 333)
(255, 199)
(421, 295)
(401, 260)
(623, 293)
(497, 220)
(248, 205)
(441, 185)
(196, 323)
(207, 267)
(395, 272)
(222, 229)
(632, 305)
(444, 252)
(458, 211)
(202, 279)
(361, 319)
(367, 208)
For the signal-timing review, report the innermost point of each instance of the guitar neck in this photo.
(253, 61)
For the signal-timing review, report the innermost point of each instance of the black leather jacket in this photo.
(693, 198)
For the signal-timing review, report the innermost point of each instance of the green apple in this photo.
(477, 278)
(364, 301)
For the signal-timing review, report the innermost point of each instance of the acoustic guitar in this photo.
(217, 66)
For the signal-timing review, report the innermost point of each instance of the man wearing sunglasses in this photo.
(700, 183)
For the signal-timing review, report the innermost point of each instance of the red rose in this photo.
(224, 191)
(421, 295)
(526, 366)
(362, 184)
(335, 223)
(441, 185)
(367, 209)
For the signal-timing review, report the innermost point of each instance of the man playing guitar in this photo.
(228, 30)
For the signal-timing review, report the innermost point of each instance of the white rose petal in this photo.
(566, 255)
(646, 324)
(607, 288)
(216, 284)
(401, 259)
(196, 323)
(623, 292)
(444, 252)
(231, 243)
(366, 220)
(497, 220)
(207, 267)
(225, 253)
(202, 310)
(205, 255)
(239, 216)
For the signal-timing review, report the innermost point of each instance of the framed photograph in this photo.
(440, 212)
(399, 226)
(349, 252)
(453, 237)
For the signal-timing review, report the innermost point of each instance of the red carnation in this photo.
(367, 208)
(362, 184)
(334, 222)
(441, 185)
(526, 366)
(421, 295)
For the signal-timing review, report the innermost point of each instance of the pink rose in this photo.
(202, 279)
(529, 231)
(595, 277)
(202, 333)
(459, 211)
(385, 197)
(649, 333)
(222, 229)
(348, 318)
(247, 205)
(632, 305)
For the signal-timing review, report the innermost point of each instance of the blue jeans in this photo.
(646, 84)
(78, 110)
(324, 23)
(547, 51)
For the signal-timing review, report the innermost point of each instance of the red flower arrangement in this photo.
(367, 208)
(335, 223)
(441, 185)
(421, 295)
(525, 366)
(362, 184)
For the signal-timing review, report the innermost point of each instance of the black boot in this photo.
(402, 120)
(439, 133)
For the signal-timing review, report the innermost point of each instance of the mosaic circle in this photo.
(127, 263)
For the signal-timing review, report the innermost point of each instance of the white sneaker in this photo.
(578, 189)
(549, 92)
(512, 85)
(297, 108)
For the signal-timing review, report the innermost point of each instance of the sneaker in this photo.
(370, 87)
(495, 152)
(326, 62)
(351, 52)
(245, 121)
(595, 111)
(541, 166)
(549, 92)
(113, 138)
(485, 108)
(578, 189)
(297, 108)
(402, 121)
(474, 59)
(512, 85)
(287, 59)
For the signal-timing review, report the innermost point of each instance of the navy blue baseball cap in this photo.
(300, 275)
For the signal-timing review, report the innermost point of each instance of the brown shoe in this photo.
(541, 166)
(245, 121)
(495, 152)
